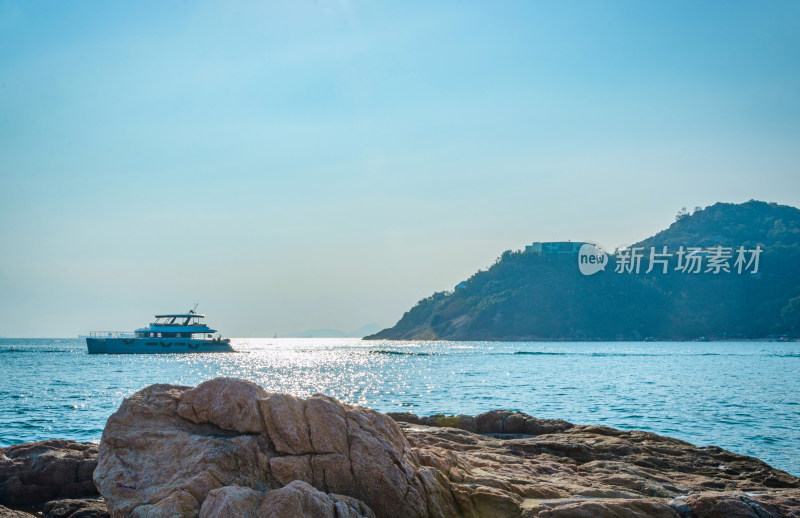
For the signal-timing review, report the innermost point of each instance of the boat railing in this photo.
(111, 334)
(217, 337)
(177, 324)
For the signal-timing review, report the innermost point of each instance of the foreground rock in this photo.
(5, 512)
(75, 508)
(33, 473)
(229, 448)
(168, 448)
(574, 471)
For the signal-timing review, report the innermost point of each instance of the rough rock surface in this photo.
(595, 471)
(5, 512)
(493, 422)
(33, 473)
(228, 448)
(75, 508)
(296, 499)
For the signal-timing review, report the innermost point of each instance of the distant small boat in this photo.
(173, 333)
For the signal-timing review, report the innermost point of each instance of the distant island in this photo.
(743, 283)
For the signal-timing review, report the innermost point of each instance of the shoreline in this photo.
(318, 450)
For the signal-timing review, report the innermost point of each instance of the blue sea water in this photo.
(742, 396)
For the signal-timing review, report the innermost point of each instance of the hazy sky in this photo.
(327, 164)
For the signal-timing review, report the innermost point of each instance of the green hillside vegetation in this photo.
(526, 296)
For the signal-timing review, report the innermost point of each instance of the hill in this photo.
(542, 295)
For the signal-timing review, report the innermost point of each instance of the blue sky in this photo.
(327, 164)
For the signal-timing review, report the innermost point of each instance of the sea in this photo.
(741, 396)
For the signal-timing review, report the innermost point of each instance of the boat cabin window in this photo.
(178, 320)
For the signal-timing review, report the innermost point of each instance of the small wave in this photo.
(538, 353)
(624, 355)
(594, 354)
(651, 354)
(32, 350)
(643, 354)
(399, 353)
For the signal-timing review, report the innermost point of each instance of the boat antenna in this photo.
(194, 309)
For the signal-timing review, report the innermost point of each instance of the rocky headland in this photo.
(229, 448)
(539, 294)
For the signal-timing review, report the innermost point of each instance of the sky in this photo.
(327, 164)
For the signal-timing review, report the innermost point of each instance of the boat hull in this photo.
(155, 346)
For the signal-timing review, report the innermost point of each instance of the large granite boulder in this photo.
(33, 473)
(168, 450)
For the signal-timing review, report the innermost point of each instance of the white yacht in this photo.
(175, 333)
